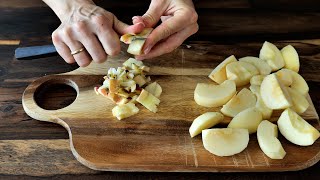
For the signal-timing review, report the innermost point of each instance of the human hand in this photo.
(179, 21)
(87, 31)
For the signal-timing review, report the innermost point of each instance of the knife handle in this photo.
(34, 51)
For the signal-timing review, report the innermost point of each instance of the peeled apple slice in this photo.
(267, 134)
(148, 100)
(285, 77)
(298, 83)
(243, 100)
(219, 75)
(241, 72)
(272, 55)
(211, 95)
(266, 112)
(154, 88)
(261, 65)
(124, 110)
(299, 102)
(204, 121)
(297, 130)
(247, 119)
(257, 79)
(225, 141)
(136, 46)
(291, 58)
(274, 94)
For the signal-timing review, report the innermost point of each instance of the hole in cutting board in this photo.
(54, 95)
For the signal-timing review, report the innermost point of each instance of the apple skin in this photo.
(296, 130)
(267, 134)
(225, 141)
(205, 121)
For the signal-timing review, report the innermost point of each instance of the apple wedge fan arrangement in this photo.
(251, 110)
(274, 85)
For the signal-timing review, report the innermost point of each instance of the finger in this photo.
(62, 49)
(154, 12)
(82, 58)
(164, 18)
(174, 24)
(171, 43)
(122, 28)
(90, 42)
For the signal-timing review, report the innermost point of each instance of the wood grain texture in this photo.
(101, 142)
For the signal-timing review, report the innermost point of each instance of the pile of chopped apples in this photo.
(136, 41)
(274, 85)
(127, 85)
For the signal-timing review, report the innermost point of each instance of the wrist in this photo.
(64, 8)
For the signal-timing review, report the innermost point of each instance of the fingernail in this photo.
(134, 17)
(147, 50)
(141, 24)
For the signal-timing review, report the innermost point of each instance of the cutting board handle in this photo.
(30, 105)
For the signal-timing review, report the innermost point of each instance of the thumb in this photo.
(153, 14)
(123, 28)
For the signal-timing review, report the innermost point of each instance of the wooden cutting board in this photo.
(161, 141)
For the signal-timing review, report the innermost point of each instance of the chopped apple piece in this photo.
(267, 134)
(148, 100)
(261, 65)
(126, 38)
(285, 77)
(299, 102)
(241, 72)
(204, 121)
(154, 88)
(270, 53)
(211, 95)
(274, 94)
(219, 75)
(243, 100)
(297, 130)
(257, 79)
(298, 83)
(140, 80)
(225, 141)
(291, 58)
(266, 112)
(128, 63)
(124, 111)
(136, 46)
(247, 119)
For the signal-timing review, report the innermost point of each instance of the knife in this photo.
(35, 52)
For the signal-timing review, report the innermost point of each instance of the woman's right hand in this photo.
(85, 25)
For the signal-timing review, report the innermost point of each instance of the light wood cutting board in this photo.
(161, 141)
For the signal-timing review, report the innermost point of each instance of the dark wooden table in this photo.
(34, 149)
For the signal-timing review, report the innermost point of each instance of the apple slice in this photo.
(241, 72)
(136, 45)
(297, 130)
(204, 121)
(267, 134)
(148, 100)
(128, 63)
(243, 100)
(285, 77)
(247, 119)
(291, 58)
(154, 88)
(211, 95)
(274, 94)
(266, 112)
(299, 102)
(298, 83)
(218, 74)
(225, 141)
(124, 110)
(257, 79)
(261, 65)
(270, 53)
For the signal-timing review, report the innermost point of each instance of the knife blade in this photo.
(34, 51)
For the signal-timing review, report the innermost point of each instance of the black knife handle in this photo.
(34, 51)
